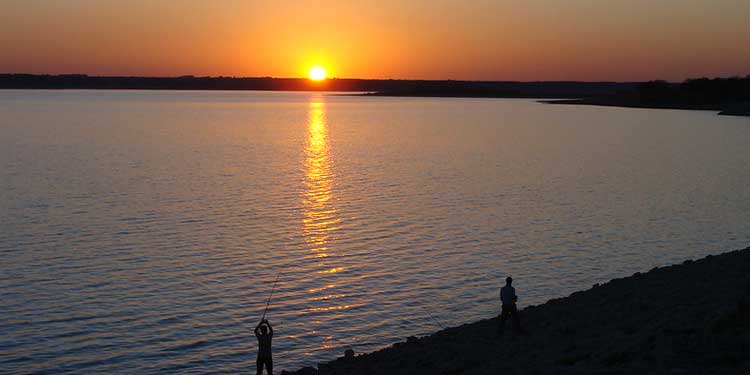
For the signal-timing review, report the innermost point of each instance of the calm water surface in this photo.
(140, 232)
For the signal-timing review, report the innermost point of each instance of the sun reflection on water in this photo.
(320, 216)
(320, 219)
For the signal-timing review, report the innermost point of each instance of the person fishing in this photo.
(509, 298)
(264, 333)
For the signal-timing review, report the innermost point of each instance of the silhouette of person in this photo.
(508, 298)
(264, 333)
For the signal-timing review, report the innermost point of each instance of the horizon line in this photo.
(348, 78)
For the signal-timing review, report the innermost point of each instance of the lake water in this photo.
(141, 232)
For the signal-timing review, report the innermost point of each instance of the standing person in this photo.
(508, 298)
(264, 333)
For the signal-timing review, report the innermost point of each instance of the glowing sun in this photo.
(317, 73)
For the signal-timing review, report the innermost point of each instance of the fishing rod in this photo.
(269, 297)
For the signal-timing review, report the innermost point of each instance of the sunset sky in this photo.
(477, 40)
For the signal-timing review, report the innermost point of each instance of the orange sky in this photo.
(438, 39)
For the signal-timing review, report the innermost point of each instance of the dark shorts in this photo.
(267, 361)
(510, 311)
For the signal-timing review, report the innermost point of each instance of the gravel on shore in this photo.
(692, 318)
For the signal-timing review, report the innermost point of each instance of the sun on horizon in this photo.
(317, 73)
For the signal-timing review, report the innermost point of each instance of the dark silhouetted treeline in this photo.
(504, 89)
(376, 86)
(82, 81)
(730, 96)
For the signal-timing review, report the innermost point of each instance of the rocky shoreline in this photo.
(692, 318)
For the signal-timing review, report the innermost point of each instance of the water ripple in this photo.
(141, 232)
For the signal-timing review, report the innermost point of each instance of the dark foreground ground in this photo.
(692, 318)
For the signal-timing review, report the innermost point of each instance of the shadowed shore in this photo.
(728, 96)
(374, 87)
(692, 318)
(735, 109)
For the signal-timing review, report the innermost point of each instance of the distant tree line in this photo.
(730, 95)
(380, 86)
(698, 90)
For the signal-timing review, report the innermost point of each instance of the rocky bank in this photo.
(692, 318)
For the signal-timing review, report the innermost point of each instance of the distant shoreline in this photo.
(655, 322)
(739, 110)
(728, 96)
(401, 87)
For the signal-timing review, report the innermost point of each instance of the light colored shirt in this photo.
(508, 295)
